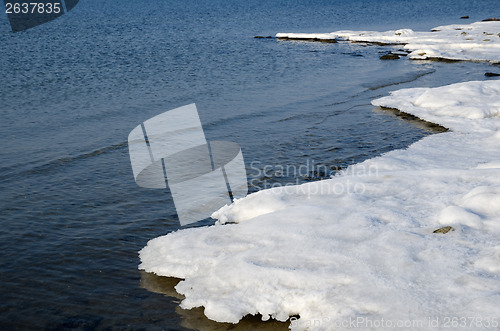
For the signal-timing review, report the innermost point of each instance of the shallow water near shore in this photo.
(73, 218)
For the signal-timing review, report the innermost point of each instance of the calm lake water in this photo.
(72, 217)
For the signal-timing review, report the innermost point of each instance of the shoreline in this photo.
(459, 45)
(393, 226)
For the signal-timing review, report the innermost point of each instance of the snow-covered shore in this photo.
(479, 41)
(362, 243)
(360, 250)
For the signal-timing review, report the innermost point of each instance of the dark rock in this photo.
(390, 57)
(444, 230)
(491, 74)
(331, 41)
(492, 19)
(464, 17)
(401, 52)
(269, 37)
(259, 37)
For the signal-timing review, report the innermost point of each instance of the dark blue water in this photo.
(72, 217)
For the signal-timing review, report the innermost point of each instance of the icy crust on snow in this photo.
(361, 245)
(478, 41)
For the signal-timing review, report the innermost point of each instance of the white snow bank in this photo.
(478, 41)
(463, 107)
(360, 248)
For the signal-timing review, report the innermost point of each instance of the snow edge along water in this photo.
(362, 244)
(479, 41)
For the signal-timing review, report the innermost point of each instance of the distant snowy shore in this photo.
(406, 240)
(478, 41)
